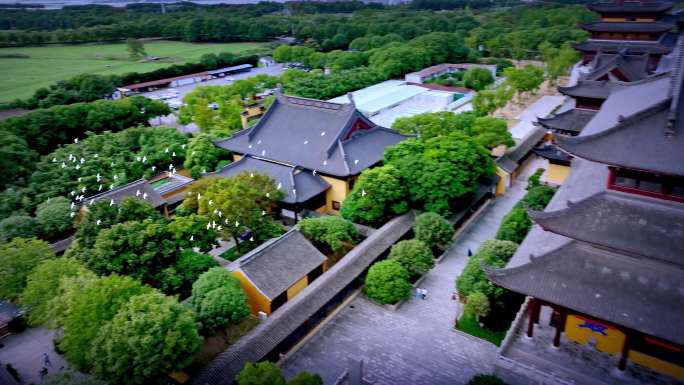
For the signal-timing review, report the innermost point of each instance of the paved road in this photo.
(417, 344)
(24, 351)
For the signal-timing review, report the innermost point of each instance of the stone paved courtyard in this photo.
(24, 351)
(417, 344)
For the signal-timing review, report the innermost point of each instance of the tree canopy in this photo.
(378, 195)
(330, 233)
(18, 258)
(149, 337)
(414, 255)
(387, 282)
(435, 231)
(493, 253)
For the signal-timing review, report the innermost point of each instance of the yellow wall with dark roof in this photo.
(293, 290)
(656, 364)
(556, 173)
(257, 301)
(339, 189)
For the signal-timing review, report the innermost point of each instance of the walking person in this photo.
(424, 293)
(43, 372)
(46, 360)
(470, 253)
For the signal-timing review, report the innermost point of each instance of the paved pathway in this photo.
(25, 351)
(417, 344)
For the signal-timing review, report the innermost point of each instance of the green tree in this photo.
(54, 217)
(187, 269)
(441, 170)
(137, 249)
(493, 253)
(212, 279)
(43, 286)
(477, 78)
(305, 378)
(435, 231)
(557, 60)
(191, 231)
(18, 258)
(89, 309)
(490, 132)
(378, 195)
(414, 255)
(477, 305)
(150, 336)
(330, 233)
(387, 282)
(538, 197)
(526, 79)
(283, 53)
(71, 378)
(18, 226)
(221, 306)
(203, 155)
(261, 373)
(432, 124)
(135, 48)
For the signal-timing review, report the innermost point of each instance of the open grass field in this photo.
(48, 64)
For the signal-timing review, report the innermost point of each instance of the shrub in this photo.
(477, 305)
(434, 230)
(514, 226)
(414, 255)
(18, 258)
(387, 282)
(221, 306)
(331, 233)
(54, 217)
(305, 378)
(18, 226)
(494, 253)
(533, 180)
(378, 195)
(538, 197)
(262, 373)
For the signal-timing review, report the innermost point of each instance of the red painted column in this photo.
(533, 315)
(560, 326)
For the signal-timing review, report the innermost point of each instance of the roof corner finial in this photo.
(350, 96)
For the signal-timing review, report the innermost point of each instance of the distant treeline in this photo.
(91, 87)
(324, 22)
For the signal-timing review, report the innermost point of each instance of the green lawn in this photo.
(469, 325)
(48, 64)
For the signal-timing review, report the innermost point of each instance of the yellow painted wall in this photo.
(556, 173)
(502, 184)
(257, 301)
(297, 287)
(236, 157)
(611, 343)
(339, 189)
(657, 364)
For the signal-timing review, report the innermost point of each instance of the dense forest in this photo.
(326, 26)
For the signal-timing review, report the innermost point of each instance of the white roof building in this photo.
(385, 102)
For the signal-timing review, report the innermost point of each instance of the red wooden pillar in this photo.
(560, 326)
(622, 365)
(533, 315)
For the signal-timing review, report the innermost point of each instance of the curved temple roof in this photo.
(634, 224)
(634, 292)
(628, 26)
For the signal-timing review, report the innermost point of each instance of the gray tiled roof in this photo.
(297, 184)
(595, 89)
(269, 333)
(662, 46)
(131, 190)
(639, 114)
(646, 226)
(628, 26)
(553, 153)
(638, 293)
(613, 6)
(314, 134)
(280, 262)
(510, 160)
(632, 67)
(176, 181)
(572, 120)
(61, 245)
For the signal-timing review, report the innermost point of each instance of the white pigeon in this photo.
(280, 185)
(144, 159)
(72, 214)
(91, 202)
(111, 202)
(76, 140)
(211, 203)
(96, 156)
(138, 159)
(363, 193)
(226, 221)
(208, 226)
(54, 160)
(263, 212)
(170, 166)
(83, 189)
(215, 211)
(82, 160)
(204, 171)
(268, 195)
(78, 166)
(183, 146)
(79, 179)
(237, 223)
(98, 222)
(173, 154)
(137, 193)
(220, 214)
(72, 205)
(192, 238)
(145, 196)
(111, 186)
(99, 188)
(219, 227)
(63, 165)
(251, 239)
(72, 193)
(199, 196)
(167, 150)
(251, 175)
(154, 168)
(98, 177)
(116, 177)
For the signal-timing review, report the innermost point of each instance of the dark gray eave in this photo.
(592, 89)
(509, 162)
(663, 46)
(572, 120)
(134, 189)
(552, 152)
(632, 67)
(634, 224)
(312, 134)
(641, 294)
(280, 262)
(298, 185)
(633, 7)
(628, 26)
(616, 145)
